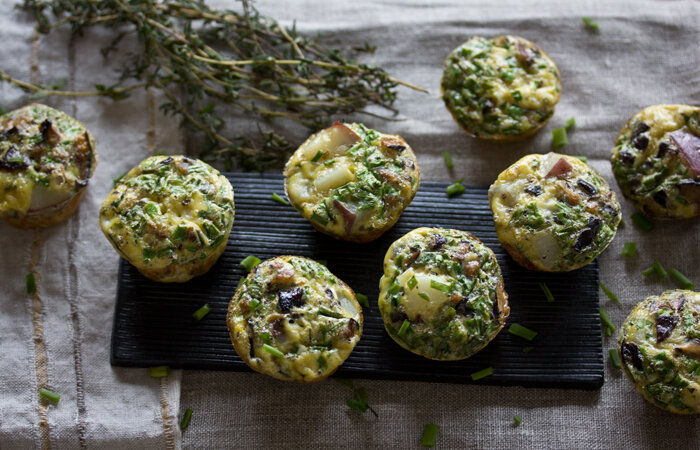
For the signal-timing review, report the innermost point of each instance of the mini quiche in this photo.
(292, 319)
(659, 348)
(170, 217)
(656, 161)
(442, 294)
(351, 182)
(502, 89)
(46, 161)
(553, 212)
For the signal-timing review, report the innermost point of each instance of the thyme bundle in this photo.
(203, 60)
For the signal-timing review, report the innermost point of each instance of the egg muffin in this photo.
(170, 217)
(352, 182)
(659, 348)
(442, 294)
(46, 161)
(292, 319)
(553, 212)
(502, 89)
(656, 161)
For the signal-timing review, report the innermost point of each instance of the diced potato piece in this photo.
(333, 178)
(417, 305)
(333, 140)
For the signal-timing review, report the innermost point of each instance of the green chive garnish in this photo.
(429, 438)
(582, 158)
(31, 284)
(590, 23)
(681, 279)
(528, 349)
(185, 422)
(279, 199)
(517, 96)
(629, 249)
(611, 295)
(440, 286)
(412, 283)
(160, 371)
(273, 351)
(482, 373)
(362, 300)
(323, 311)
(642, 222)
(49, 395)
(456, 188)
(570, 122)
(656, 268)
(424, 296)
(118, 179)
(622, 224)
(547, 292)
(404, 327)
(201, 312)
(448, 159)
(254, 304)
(151, 209)
(522, 332)
(249, 262)
(559, 137)
(518, 420)
(605, 320)
(615, 358)
(317, 156)
(394, 288)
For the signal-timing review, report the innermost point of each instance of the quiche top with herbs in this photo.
(169, 216)
(659, 348)
(502, 89)
(656, 161)
(352, 182)
(553, 212)
(46, 157)
(442, 294)
(292, 319)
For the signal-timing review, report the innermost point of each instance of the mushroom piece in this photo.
(632, 355)
(664, 327)
(588, 234)
(349, 217)
(289, 298)
(690, 348)
(689, 146)
(690, 189)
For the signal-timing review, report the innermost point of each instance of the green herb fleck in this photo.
(362, 300)
(456, 188)
(359, 400)
(681, 279)
(430, 432)
(517, 96)
(185, 422)
(31, 284)
(404, 327)
(254, 304)
(412, 283)
(656, 268)
(440, 286)
(323, 311)
(482, 373)
(585, 160)
(522, 332)
(570, 122)
(273, 351)
(629, 249)
(201, 312)
(448, 159)
(611, 295)
(151, 209)
(642, 222)
(559, 137)
(118, 179)
(590, 23)
(249, 262)
(615, 358)
(605, 320)
(517, 420)
(547, 292)
(317, 156)
(279, 199)
(49, 395)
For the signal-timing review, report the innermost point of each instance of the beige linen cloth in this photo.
(645, 53)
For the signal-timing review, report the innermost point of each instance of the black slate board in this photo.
(153, 323)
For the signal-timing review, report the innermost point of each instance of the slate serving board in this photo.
(153, 322)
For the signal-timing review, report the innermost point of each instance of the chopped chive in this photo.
(547, 292)
(611, 295)
(185, 422)
(590, 23)
(254, 304)
(642, 222)
(518, 420)
(522, 332)
(118, 179)
(656, 268)
(681, 279)
(317, 156)
(279, 199)
(412, 283)
(456, 188)
(273, 351)
(356, 405)
(629, 249)
(448, 159)
(622, 224)
(440, 286)
(559, 137)
(249, 262)
(430, 432)
(517, 96)
(528, 349)
(615, 358)
(323, 311)
(31, 284)
(482, 373)
(201, 312)
(322, 363)
(151, 209)
(570, 122)
(582, 158)
(49, 395)
(605, 320)
(394, 288)
(424, 296)
(362, 300)
(404, 327)
(160, 371)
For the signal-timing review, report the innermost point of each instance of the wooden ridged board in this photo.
(153, 322)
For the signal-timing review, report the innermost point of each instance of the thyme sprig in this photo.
(203, 59)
